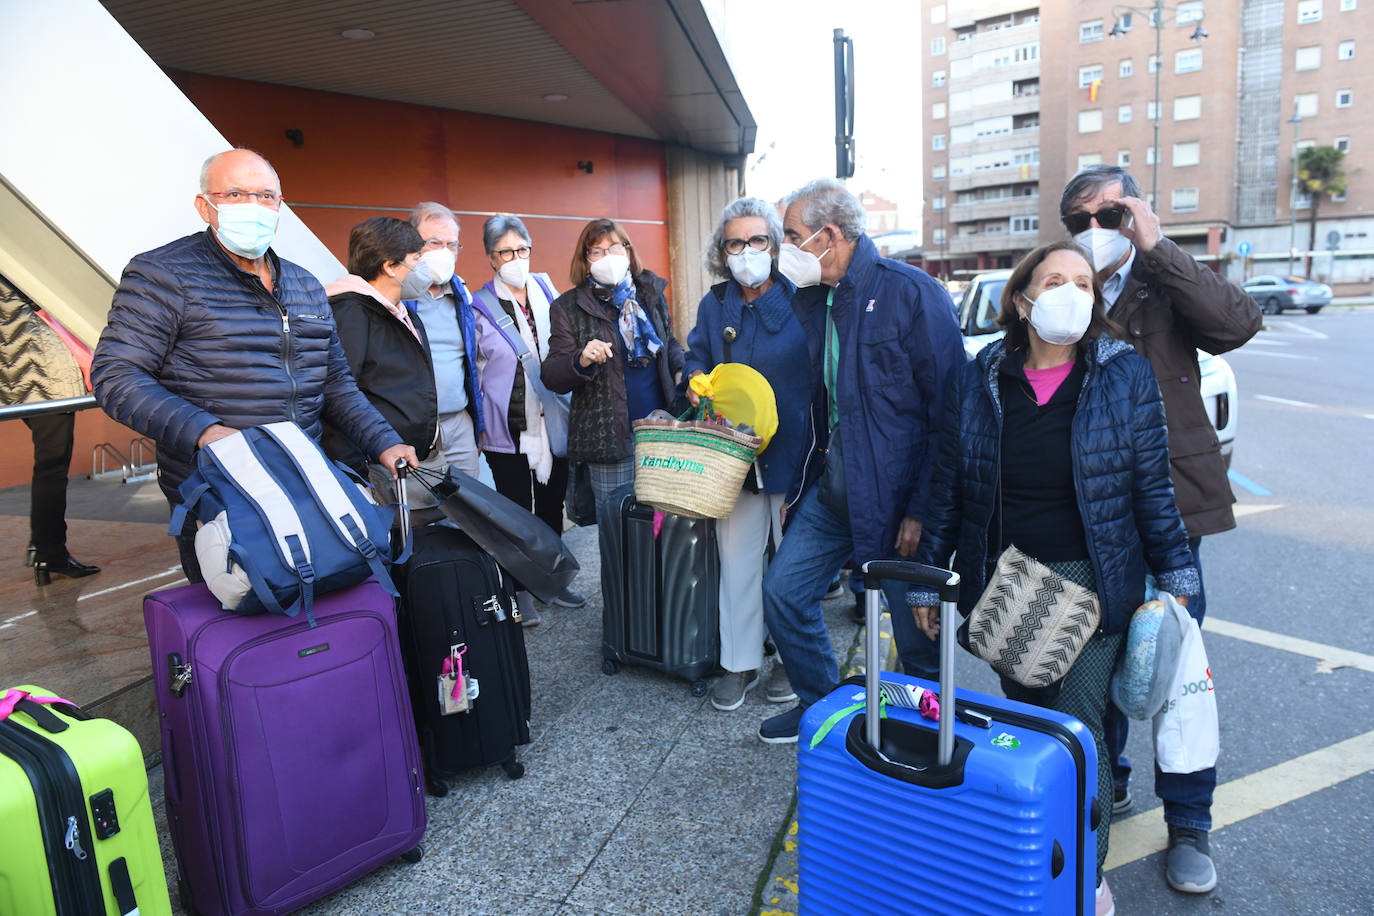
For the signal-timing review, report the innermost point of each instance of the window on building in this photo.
(1188, 13)
(937, 141)
(1149, 155)
(1304, 200)
(937, 111)
(937, 203)
(961, 165)
(995, 229)
(1345, 50)
(1027, 52)
(1342, 144)
(1026, 157)
(1187, 107)
(937, 173)
(1338, 198)
(1347, 5)
(962, 133)
(1306, 104)
(1309, 11)
(1090, 31)
(1151, 110)
(1025, 224)
(1185, 200)
(1153, 64)
(937, 45)
(937, 14)
(1087, 159)
(1187, 154)
(1123, 158)
(1125, 68)
(1188, 61)
(938, 236)
(1309, 58)
(1090, 121)
(1345, 98)
(937, 79)
(1305, 144)
(1123, 114)
(1086, 75)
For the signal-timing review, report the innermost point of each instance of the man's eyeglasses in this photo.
(507, 254)
(596, 254)
(269, 199)
(1107, 218)
(436, 244)
(757, 242)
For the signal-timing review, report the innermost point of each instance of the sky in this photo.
(782, 54)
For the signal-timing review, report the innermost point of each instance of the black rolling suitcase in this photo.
(458, 614)
(661, 594)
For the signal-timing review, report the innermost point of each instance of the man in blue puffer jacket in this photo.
(214, 333)
(887, 345)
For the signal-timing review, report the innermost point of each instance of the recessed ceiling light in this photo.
(358, 34)
(555, 97)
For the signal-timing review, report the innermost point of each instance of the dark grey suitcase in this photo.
(661, 595)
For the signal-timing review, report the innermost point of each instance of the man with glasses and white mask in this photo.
(214, 333)
(446, 310)
(886, 343)
(1169, 306)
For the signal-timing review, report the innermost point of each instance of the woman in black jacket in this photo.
(384, 340)
(611, 344)
(1053, 440)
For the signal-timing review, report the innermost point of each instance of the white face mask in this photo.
(440, 262)
(801, 267)
(751, 267)
(1061, 315)
(611, 269)
(514, 272)
(1107, 246)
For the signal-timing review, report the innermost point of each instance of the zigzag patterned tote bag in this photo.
(1031, 623)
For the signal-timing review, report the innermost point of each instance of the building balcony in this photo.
(1006, 207)
(1021, 104)
(994, 177)
(988, 41)
(1020, 70)
(997, 243)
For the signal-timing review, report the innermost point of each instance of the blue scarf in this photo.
(636, 330)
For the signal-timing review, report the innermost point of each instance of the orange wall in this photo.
(362, 154)
(365, 153)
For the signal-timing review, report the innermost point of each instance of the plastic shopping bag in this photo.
(1186, 734)
(742, 395)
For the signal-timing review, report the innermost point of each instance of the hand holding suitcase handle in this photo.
(403, 506)
(946, 583)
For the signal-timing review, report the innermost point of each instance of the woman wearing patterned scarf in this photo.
(611, 344)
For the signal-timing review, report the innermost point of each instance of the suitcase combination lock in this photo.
(179, 674)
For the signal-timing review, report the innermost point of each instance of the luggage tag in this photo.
(456, 690)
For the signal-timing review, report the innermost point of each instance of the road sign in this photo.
(1243, 248)
(1333, 240)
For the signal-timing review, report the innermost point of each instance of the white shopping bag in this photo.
(1186, 735)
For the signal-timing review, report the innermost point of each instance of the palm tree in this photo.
(1320, 171)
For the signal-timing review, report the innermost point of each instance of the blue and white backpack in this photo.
(281, 523)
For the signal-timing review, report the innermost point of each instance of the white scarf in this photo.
(534, 441)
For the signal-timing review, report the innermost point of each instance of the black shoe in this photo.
(1121, 800)
(858, 612)
(43, 571)
(30, 554)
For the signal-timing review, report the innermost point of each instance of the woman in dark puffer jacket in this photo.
(1068, 424)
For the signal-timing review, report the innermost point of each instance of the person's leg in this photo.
(511, 474)
(919, 654)
(52, 456)
(1117, 728)
(1187, 797)
(610, 477)
(548, 497)
(740, 540)
(816, 545)
(458, 441)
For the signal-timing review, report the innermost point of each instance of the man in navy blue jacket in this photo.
(887, 345)
(214, 333)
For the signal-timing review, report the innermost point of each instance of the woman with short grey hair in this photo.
(512, 314)
(749, 319)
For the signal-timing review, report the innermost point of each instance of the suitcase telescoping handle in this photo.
(946, 583)
(402, 505)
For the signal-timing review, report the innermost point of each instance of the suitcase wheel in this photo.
(414, 855)
(609, 666)
(436, 786)
(514, 768)
(698, 688)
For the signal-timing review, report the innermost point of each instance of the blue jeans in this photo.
(814, 549)
(1187, 797)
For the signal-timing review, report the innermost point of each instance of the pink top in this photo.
(1045, 382)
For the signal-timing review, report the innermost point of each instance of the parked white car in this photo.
(982, 302)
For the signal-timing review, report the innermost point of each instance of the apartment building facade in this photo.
(1217, 163)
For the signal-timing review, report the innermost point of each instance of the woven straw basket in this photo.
(692, 468)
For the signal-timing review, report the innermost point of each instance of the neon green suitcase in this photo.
(79, 834)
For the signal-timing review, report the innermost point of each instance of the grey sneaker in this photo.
(569, 598)
(1189, 866)
(524, 602)
(731, 689)
(779, 689)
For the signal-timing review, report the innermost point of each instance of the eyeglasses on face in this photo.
(757, 242)
(269, 199)
(435, 244)
(596, 254)
(506, 254)
(1108, 218)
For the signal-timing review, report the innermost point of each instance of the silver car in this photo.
(1275, 293)
(978, 321)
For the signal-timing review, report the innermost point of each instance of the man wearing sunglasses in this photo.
(1169, 306)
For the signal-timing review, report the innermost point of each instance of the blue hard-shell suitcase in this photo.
(994, 813)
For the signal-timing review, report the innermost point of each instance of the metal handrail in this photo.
(144, 469)
(40, 408)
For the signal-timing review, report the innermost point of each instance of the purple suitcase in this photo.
(288, 751)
